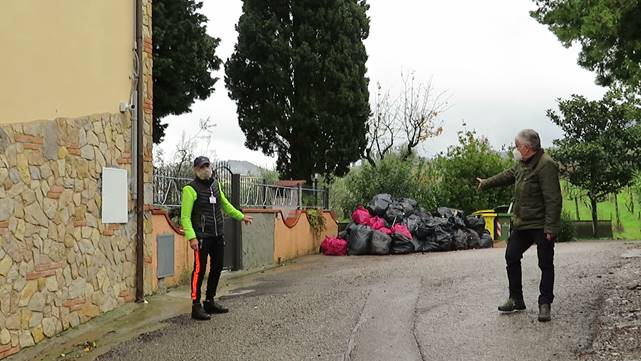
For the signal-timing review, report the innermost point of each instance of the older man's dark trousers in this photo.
(519, 242)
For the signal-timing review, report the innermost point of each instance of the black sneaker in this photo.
(544, 313)
(512, 305)
(214, 307)
(198, 313)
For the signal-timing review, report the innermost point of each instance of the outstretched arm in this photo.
(230, 209)
(502, 179)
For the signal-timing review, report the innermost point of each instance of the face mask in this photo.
(517, 155)
(204, 173)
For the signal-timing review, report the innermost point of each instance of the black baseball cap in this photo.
(201, 161)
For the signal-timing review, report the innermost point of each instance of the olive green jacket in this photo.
(537, 193)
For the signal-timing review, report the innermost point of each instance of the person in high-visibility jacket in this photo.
(203, 202)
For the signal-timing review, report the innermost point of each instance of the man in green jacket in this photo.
(201, 217)
(536, 220)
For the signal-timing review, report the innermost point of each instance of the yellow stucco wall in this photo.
(299, 240)
(183, 255)
(64, 58)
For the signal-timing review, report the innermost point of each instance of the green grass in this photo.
(630, 223)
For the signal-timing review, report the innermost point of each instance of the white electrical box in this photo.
(114, 195)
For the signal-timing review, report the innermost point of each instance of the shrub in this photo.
(566, 233)
(473, 157)
(412, 178)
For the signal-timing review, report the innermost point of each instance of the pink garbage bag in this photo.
(361, 216)
(332, 246)
(385, 230)
(402, 229)
(376, 223)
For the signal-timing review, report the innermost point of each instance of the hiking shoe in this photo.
(198, 313)
(214, 307)
(544, 313)
(512, 305)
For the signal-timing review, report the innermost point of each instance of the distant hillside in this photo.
(244, 167)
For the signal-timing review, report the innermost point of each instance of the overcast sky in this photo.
(501, 69)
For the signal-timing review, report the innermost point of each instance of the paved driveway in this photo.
(438, 306)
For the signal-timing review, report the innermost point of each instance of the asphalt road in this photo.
(438, 306)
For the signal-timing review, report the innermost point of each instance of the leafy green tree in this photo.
(609, 33)
(472, 157)
(184, 57)
(297, 75)
(601, 145)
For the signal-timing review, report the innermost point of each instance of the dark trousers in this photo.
(214, 248)
(518, 243)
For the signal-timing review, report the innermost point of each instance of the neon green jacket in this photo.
(189, 196)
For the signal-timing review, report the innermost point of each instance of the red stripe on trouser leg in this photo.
(194, 278)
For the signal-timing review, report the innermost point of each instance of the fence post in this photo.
(325, 198)
(264, 200)
(315, 192)
(238, 237)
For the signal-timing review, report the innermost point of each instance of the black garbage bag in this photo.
(446, 225)
(424, 216)
(345, 233)
(473, 239)
(359, 241)
(436, 222)
(402, 245)
(486, 240)
(412, 222)
(477, 223)
(427, 228)
(445, 212)
(408, 205)
(378, 205)
(381, 243)
(423, 230)
(394, 214)
(457, 222)
(444, 239)
(460, 240)
(429, 246)
(416, 243)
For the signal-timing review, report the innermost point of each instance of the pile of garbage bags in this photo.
(400, 226)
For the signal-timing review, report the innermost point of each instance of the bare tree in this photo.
(421, 109)
(382, 127)
(180, 162)
(403, 123)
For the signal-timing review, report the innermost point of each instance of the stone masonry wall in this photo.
(59, 265)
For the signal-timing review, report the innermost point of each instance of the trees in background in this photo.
(448, 180)
(184, 58)
(601, 145)
(297, 75)
(609, 34)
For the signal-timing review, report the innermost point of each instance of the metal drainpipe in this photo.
(140, 196)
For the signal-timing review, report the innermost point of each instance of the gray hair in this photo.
(530, 138)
